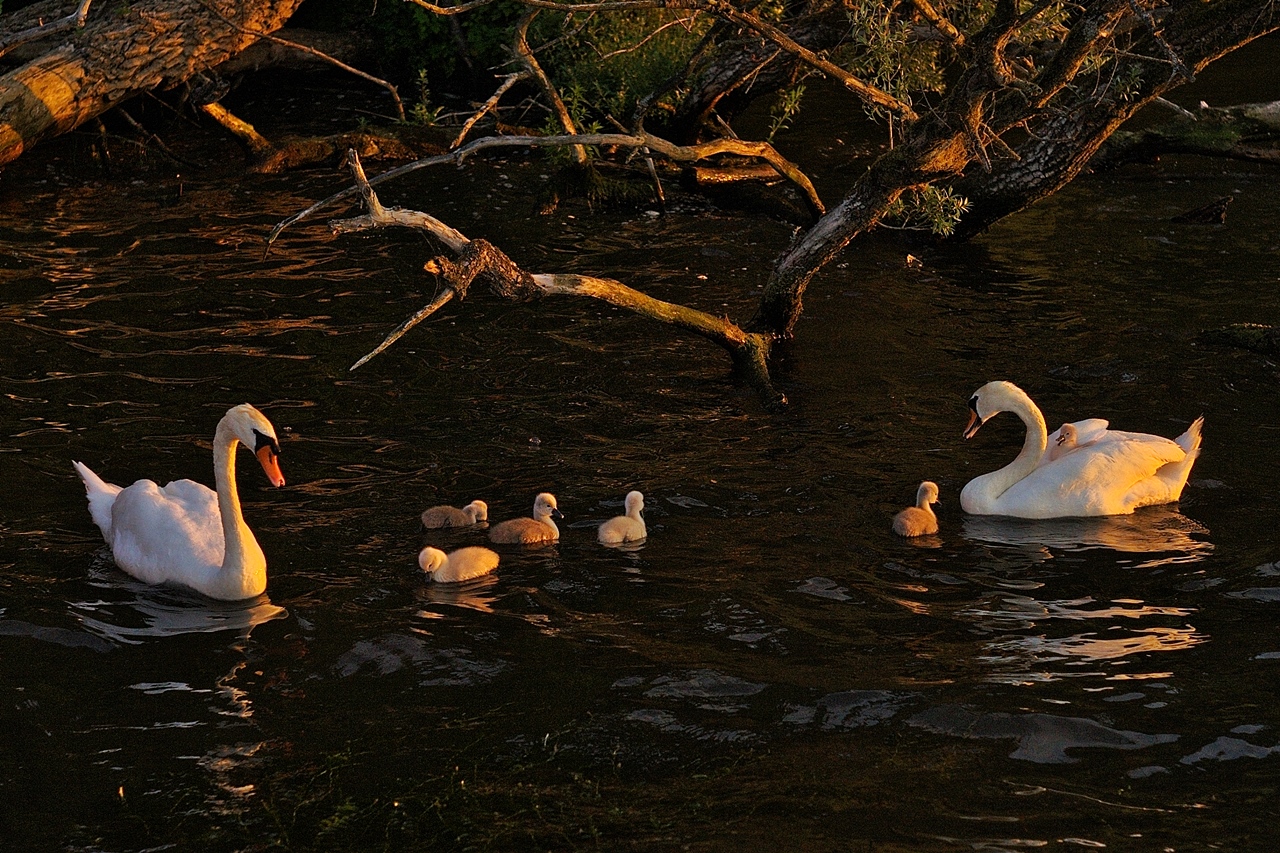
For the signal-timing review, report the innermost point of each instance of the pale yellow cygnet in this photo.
(1064, 443)
(451, 516)
(919, 520)
(531, 531)
(460, 565)
(625, 528)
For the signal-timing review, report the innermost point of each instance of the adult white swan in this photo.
(1108, 473)
(185, 533)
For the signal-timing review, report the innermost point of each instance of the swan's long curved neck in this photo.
(242, 558)
(549, 522)
(998, 482)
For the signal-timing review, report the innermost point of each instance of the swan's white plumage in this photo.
(450, 516)
(919, 520)
(1109, 472)
(463, 564)
(628, 527)
(185, 533)
(531, 531)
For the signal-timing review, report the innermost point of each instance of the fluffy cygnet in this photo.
(460, 565)
(1066, 441)
(625, 528)
(919, 520)
(531, 531)
(451, 516)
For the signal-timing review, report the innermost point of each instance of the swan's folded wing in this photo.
(1093, 480)
(156, 531)
(1088, 430)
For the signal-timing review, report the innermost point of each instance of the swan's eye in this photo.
(262, 441)
(973, 403)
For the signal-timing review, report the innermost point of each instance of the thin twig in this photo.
(421, 314)
(158, 142)
(1179, 66)
(507, 82)
(1180, 110)
(395, 94)
(685, 22)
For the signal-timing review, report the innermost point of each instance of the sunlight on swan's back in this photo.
(1108, 472)
(185, 533)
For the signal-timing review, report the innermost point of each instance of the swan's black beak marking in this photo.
(263, 440)
(557, 515)
(268, 452)
(974, 421)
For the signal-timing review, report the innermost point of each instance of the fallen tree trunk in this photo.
(121, 51)
(1242, 132)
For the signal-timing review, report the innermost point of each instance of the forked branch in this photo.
(480, 261)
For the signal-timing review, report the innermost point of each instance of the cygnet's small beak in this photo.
(557, 514)
(972, 427)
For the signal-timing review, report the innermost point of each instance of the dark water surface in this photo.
(772, 669)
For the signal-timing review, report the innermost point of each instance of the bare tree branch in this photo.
(679, 153)
(558, 109)
(939, 22)
(479, 259)
(507, 82)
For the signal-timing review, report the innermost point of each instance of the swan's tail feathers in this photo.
(1190, 440)
(101, 497)
(1175, 474)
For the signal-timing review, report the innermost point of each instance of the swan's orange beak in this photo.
(267, 459)
(972, 427)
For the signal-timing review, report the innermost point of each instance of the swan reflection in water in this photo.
(477, 594)
(130, 611)
(1151, 530)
